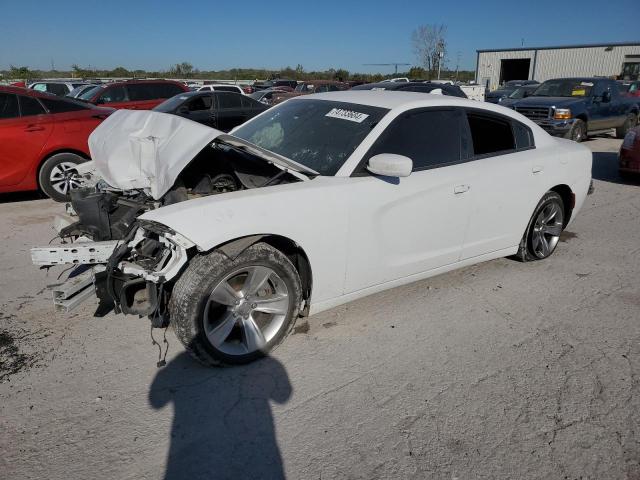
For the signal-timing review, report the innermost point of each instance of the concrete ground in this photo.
(501, 370)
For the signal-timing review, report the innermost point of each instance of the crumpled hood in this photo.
(147, 150)
(135, 149)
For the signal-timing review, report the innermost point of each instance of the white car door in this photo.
(404, 226)
(504, 191)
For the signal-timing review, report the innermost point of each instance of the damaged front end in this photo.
(131, 276)
(143, 161)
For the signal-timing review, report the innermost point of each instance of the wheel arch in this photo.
(568, 199)
(294, 252)
(50, 154)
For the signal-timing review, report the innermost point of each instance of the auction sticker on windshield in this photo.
(347, 115)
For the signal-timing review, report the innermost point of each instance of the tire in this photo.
(57, 175)
(218, 325)
(543, 231)
(628, 124)
(578, 132)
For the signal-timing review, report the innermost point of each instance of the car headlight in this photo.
(562, 114)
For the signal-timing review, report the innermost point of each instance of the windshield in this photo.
(564, 88)
(90, 93)
(318, 134)
(170, 104)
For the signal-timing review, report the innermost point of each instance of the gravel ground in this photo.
(499, 370)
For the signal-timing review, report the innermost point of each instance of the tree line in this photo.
(185, 70)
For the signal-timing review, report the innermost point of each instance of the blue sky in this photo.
(317, 34)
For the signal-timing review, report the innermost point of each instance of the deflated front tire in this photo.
(233, 311)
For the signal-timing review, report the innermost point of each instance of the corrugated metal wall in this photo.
(553, 63)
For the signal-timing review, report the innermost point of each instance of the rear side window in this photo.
(166, 90)
(30, 106)
(60, 106)
(142, 91)
(430, 138)
(490, 134)
(58, 89)
(523, 135)
(8, 106)
(229, 100)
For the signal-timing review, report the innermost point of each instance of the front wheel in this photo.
(228, 311)
(578, 132)
(58, 175)
(544, 229)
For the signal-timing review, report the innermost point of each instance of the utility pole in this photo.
(440, 57)
(457, 64)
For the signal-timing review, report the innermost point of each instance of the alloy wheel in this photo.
(64, 177)
(246, 310)
(547, 229)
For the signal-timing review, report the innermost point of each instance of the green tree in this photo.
(22, 73)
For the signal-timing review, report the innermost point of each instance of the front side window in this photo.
(229, 100)
(490, 134)
(113, 94)
(199, 104)
(40, 87)
(8, 106)
(430, 138)
(30, 106)
(318, 134)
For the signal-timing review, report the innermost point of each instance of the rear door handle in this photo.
(34, 128)
(537, 169)
(461, 189)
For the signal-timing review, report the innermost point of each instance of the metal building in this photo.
(494, 67)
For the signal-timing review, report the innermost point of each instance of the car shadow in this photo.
(605, 168)
(222, 426)
(21, 197)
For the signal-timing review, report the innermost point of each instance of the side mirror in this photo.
(390, 165)
(183, 110)
(100, 101)
(606, 97)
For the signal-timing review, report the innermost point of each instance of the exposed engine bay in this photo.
(107, 213)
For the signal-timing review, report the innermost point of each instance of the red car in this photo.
(629, 158)
(133, 94)
(42, 139)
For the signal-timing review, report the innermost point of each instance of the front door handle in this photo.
(461, 189)
(34, 128)
(537, 169)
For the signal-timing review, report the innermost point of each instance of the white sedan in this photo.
(316, 202)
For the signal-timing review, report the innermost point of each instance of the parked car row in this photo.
(574, 108)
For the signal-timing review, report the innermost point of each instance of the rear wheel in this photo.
(234, 311)
(628, 124)
(58, 175)
(544, 229)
